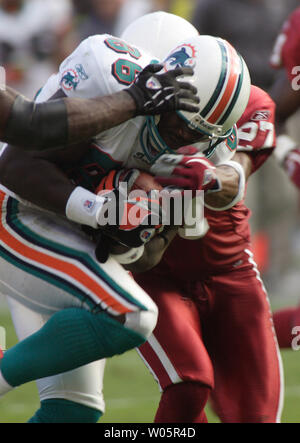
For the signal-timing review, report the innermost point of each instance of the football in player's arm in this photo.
(256, 136)
(119, 314)
(229, 180)
(48, 170)
(213, 285)
(66, 121)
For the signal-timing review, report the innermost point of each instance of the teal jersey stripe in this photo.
(16, 224)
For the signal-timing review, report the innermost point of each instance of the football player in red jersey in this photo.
(286, 93)
(215, 334)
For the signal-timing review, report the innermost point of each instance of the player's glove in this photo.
(116, 176)
(284, 145)
(156, 93)
(186, 172)
(125, 219)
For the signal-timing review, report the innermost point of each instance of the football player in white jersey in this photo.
(48, 265)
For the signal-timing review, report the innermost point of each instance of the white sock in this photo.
(4, 386)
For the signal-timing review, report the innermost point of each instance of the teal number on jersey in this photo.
(125, 71)
(122, 47)
(92, 168)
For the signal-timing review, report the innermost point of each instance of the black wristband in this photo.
(37, 125)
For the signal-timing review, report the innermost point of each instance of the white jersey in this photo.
(103, 65)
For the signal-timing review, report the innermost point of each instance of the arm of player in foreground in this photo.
(36, 176)
(69, 120)
(287, 152)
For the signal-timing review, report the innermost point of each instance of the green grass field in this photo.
(131, 393)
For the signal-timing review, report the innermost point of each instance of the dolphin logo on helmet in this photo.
(166, 31)
(184, 55)
(180, 58)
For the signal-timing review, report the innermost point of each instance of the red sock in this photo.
(284, 321)
(183, 403)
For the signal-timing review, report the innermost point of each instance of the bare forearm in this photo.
(90, 117)
(230, 181)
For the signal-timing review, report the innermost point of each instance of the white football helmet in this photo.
(158, 32)
(222, 79)
(220, 75)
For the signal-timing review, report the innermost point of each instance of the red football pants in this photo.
(218, 332)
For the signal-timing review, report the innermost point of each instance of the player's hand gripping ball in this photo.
(133, 198)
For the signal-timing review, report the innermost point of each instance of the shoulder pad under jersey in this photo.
(101, 65)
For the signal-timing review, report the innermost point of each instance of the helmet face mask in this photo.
(152, 143)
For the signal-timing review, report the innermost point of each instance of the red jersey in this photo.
(210, 299)
(224, 244)
(286, 52)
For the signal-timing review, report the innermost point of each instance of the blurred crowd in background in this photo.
(36, 35)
